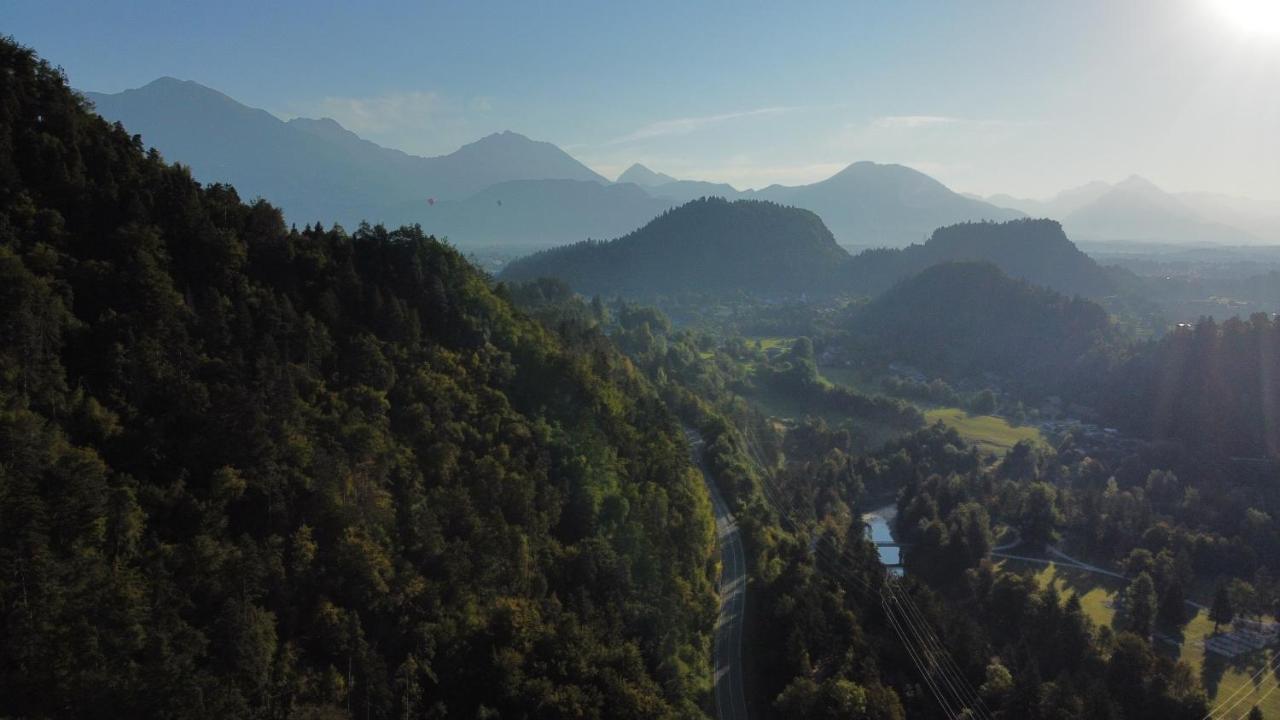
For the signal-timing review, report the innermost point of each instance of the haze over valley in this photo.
(689, 361)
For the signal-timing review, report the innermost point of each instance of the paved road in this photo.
(731, 703)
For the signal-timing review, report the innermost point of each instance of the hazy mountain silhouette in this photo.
(316, 169)
(710, 245)
(540, 212)
(644, 177)
(1259, 218)
(883, 205)
(1058, 206)
(680, 191)
(1137, 210)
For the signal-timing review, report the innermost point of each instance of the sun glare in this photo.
(1256, 17)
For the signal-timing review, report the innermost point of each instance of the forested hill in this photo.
(964, 319)
(1213, 386)
(1033, 250)
(709, 245)
(712, 246)
(254, 472)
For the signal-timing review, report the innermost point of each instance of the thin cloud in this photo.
(384, 113)
(687, 125)
(744, 172)
(912, 122)
(414, 121)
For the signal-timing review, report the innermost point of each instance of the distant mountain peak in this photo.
(168, 85)
(324, 122)
(526, 158)
(884, 204)
(326, 127)
(505, 137)
(1137, 182)
(644, 177)
(1138, 209)
(868, 170)
(164, 80)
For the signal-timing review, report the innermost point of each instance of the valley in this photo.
(664, 361)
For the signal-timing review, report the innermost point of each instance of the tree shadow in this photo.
(1215, 667)
(1174, 635)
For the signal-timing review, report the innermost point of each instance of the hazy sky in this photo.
(1023, 97)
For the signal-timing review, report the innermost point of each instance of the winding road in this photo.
(731, 702)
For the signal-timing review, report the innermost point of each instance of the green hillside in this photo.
(257, 472)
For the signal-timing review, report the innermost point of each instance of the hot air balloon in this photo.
(431, 201)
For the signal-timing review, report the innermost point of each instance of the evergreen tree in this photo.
(1222, 611)
(1173, 606)
(1140, 605)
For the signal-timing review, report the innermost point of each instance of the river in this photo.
(880, 529)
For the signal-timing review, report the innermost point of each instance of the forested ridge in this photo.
(253, 471)
(707, 246)
(965, 318)
(715, 248)
(1037, 251)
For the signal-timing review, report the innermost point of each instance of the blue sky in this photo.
(1020, 97)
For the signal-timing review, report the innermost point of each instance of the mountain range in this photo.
(871, 204)
(509, 189)
(316, 169)
(504, 188)
(1135, 209)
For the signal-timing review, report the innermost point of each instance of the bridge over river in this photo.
(880, 531)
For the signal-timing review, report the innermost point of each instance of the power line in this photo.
(974, 698)
(920, 643)
(924, 671)
(1223, 708)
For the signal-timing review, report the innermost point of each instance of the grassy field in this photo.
(780, 404)
(1220, 677)
(1093, 590)
(767, 341)
(989, 433)
(847, 377)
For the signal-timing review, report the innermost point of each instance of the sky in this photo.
(988, 96)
